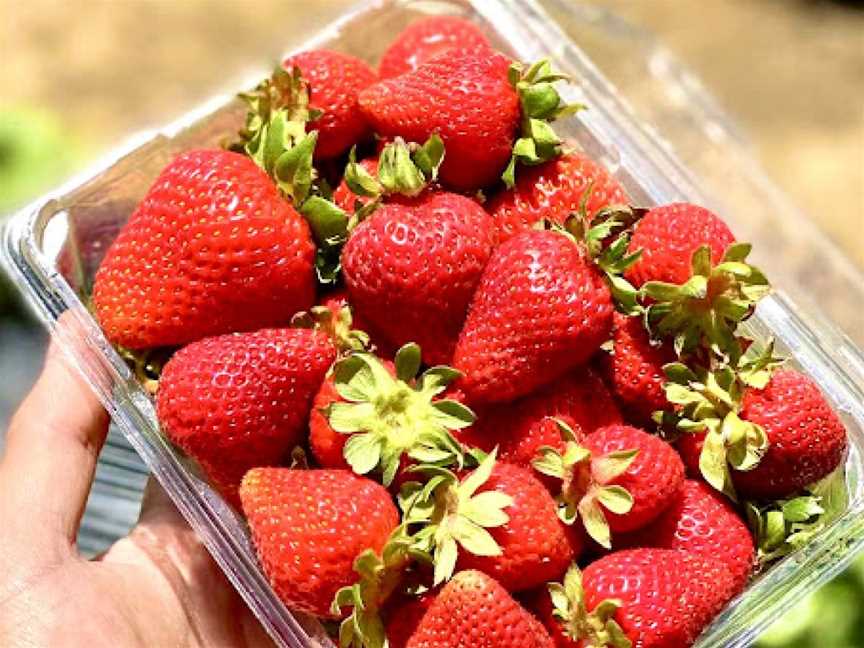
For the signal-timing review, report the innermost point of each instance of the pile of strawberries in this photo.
(517, 411)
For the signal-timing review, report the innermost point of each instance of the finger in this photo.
(51, 450)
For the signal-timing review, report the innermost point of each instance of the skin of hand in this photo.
(156, 587)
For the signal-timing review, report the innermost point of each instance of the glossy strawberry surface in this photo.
(465, 97)
(474, 610)
(700, 520)
(554, 190)
(653, 478)
(335, 81)
(308, 527)
(518, 429)
(411, 269)
(238, 401)
(212, 248)
(403, 615)
(636, 368)
(536, 546)
(806, 438)
(668, 236)
(427, 38)
(540, 310)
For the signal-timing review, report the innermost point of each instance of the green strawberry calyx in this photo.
(380, 575)
(783, 526)
(338, 326)
(605, 237)
(391, 417)
(540, 104)
(710, 401)
(451, 514)
(586, 491)
(596, 629)
(705, 310)
(403, 168)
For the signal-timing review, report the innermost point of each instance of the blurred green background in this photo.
(79, 76)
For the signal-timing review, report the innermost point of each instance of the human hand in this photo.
(156, 587)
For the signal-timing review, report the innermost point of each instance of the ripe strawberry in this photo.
(427, 38)
(412, 268)
(618, 478)
(669, 235)
(212, 248)
(335, 81)
(647, 598)
(238, 401)
(636, 368)
(701, 521)
(518, 429)
(535, 546)
(309, 526)
(473, 610)
(376, 416)
(806, 439)
(553, 191)
(467, 99)
(540, 309)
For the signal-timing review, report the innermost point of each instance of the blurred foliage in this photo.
(832, 617)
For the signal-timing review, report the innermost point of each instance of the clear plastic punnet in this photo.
(52, 249)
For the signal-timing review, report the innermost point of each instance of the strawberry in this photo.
(344, 197)
(427, 38)
(636, 368)
(467, 99)
(474, 610)
(501, 516)
(238, 401)
(335, 81)
(518, 429)
(212, 248)
(540, 309)
(412, 268)
(618, 479)
(553, 191)
(378, 417)
(806, 439)
(335, 318)
(669, 235)
(648, 598)
(309, 526)
(701, 521)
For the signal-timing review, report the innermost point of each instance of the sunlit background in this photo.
(78, 77)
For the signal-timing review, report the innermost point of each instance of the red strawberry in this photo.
(636, 368)
(473, 610)
(239, 401)
(374, 415)
(427, 38)
(700, 520)
(554, 190)
(335, 81)
(669, 235)
(211, 249)
(535, 546)
(518, 429)
(411, 269)
(309, 526)
(806, 438)
(467, 99)
(328, 445)
(404, 615)
(618, 478)
(647, 598)
(540, 309)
